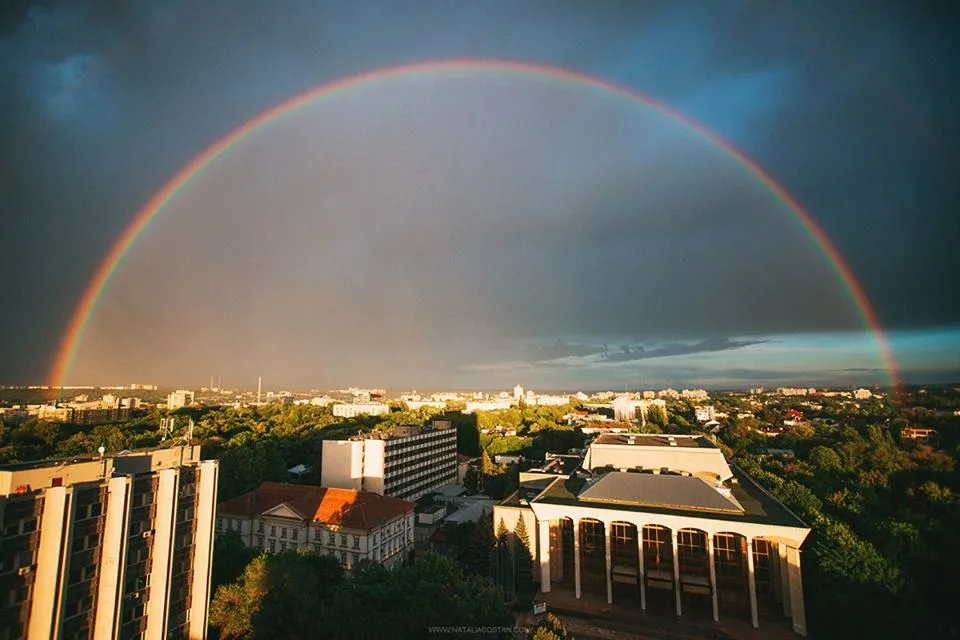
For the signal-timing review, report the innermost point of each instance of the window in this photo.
(260, 542)
(356, 542)
(260, 527)
(692, 551)
(330, 538)
(657, 549)
(283, 532)
(343, 557)
(283, 546)
(273, 531)
(273, 545)
(295, 534)
(316, 535)
(343, 540)
(731, 565)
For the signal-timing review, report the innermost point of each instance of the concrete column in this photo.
(784, 578)
(608, 537)
(55, 528)
(203, 548)
(641, 576)
(161, 562)
(676, 570)
(752, 582)
(576, 558)
(796, 592)
(543, 526)
(113, 555)
(713, 578)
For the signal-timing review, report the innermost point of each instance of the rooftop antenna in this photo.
(259, 388)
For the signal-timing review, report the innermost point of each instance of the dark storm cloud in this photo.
(851, 107)
(630, 354)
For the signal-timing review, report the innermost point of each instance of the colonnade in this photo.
(723, 556)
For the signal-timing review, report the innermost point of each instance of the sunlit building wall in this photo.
(117, 546)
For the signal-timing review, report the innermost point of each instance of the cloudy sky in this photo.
(478, 229)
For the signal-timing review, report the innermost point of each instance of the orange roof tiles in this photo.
(346, 508)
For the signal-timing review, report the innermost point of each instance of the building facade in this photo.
(116, 546)
(360, 409)
(346, 524)
(667, 524)
(405, 462)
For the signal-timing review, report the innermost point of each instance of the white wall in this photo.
(342, 464)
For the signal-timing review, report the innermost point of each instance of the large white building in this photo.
(628, 409)
(705, 412)
(180, 398)
(348, 525)
(360, 409)
(113, 546)
(406, 462)
(667, 524)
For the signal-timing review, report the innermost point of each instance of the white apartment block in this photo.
(345, 524)
(180, 398)
(113, 546)
(488, 405)
(405, 462)
(360, 409)
(705, 413)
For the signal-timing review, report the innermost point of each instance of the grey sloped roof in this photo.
(677, 492)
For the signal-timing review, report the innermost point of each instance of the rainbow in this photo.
(84, 311)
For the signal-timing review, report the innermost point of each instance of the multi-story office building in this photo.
(348, 525)
(405, 462)
(666, 524)
(109, 546)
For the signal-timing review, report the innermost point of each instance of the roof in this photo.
(758, 505)
(362, 510)
(655, 440)
(682, 492)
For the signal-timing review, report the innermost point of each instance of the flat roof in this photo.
(655, 440)
(758, 505)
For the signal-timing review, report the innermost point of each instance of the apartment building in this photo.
(343, 523)
(404, 462)
(109, 546)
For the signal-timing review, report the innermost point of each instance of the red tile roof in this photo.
(362, 510)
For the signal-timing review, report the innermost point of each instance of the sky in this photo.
(468, 229)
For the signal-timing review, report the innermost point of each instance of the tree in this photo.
(477, 558)
(276, 597)
(231, 556)
(550, 628)
(406, 602)
(502, 531)
(523, 560)
(657, 415)
(472, 480)
(486, 464)
(825, 459)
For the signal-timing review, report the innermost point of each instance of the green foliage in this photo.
(825, 459)
(477, 557)
(276, 597)
(406, 602)
(290, 596)
(657, 416)
(549, 628)
(231, 556)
